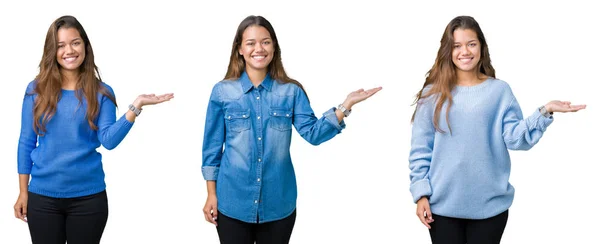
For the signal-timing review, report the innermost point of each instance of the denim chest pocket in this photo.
(237, 120)
(280, 119)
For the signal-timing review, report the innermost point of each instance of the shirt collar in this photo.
(267, 83)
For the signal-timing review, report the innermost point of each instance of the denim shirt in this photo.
(246, 147)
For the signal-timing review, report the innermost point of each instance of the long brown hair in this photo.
(237, 64)
(442, 76)
(48, 85)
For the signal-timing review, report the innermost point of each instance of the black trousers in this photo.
(445, 230)
(79, 220)
(233, 231)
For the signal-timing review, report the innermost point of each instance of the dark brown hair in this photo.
(49, 80)
(237, 64)
(442, 76)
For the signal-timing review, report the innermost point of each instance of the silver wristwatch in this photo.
(545, 113)
(135, 110)
(345, 111)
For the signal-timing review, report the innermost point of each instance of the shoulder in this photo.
(108, 88)
(501, 87)
(30, 90)
(285, 89)
(426, 97)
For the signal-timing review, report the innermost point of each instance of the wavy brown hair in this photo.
(237, 64)
(48, 85)
(442, 76)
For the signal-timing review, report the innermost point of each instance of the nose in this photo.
(68, 49)
(260, 47)
(465, 50)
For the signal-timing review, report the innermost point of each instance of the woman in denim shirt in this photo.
(247, 138)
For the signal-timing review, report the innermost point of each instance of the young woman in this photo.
(68, 112)
(246, 150)
(464, 123)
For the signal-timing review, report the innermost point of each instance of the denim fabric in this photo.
(246, 147)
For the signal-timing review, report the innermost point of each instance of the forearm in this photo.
(211, 187)
(23, 183)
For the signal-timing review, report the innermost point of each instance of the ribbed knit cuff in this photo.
(420, 189)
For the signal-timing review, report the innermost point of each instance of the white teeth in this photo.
(258, 57)
(70, 59)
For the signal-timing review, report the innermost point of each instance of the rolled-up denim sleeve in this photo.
(214, 136)
(314, 130)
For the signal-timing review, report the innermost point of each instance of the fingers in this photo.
(372, 91)
(210, 213)
(421, 213)
(21, 211)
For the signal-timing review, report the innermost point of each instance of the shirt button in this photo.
(258, 117)
(259, 160)
(259, 138)
(255, 201)
(228, 117)
(274, 113)
(257, 98)
(244, 116)
(258, 180)
(287, 115)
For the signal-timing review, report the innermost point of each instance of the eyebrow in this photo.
(266, 38)
(474, 40)
(76, 39)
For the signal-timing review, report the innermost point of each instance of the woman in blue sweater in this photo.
(464, 123)
(68, 112)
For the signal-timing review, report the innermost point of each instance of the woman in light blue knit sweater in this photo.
(464, 123)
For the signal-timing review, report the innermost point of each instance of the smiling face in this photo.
(70, 52)
(257, 48)
(466, 50)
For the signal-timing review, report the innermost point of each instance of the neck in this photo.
(256, 76)
(69, 79)
(469, 78)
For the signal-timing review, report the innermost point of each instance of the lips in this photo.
(70, 59)
(259, 57)
(465, 60)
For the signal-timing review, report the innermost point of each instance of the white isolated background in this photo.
(354, 188)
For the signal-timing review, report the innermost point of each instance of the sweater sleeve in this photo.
(423, 135)
(519, 133)
(28, 137)
(111, 131)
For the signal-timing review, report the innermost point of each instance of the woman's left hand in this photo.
(151, 99)
(563, 107)
(359, 96)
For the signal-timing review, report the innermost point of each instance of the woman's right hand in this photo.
(210, 209)
(423, 212)
(21, 207)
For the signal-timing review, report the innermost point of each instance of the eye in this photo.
(249, 43)
(61, 45)
(76, 43)
(456, 46)
(472, 44)
(266, 42)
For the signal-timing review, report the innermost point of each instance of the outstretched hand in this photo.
(563, 106)
(359, 96)
(151, 99)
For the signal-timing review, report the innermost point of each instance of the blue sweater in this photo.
(65, 163)
(465, 173)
